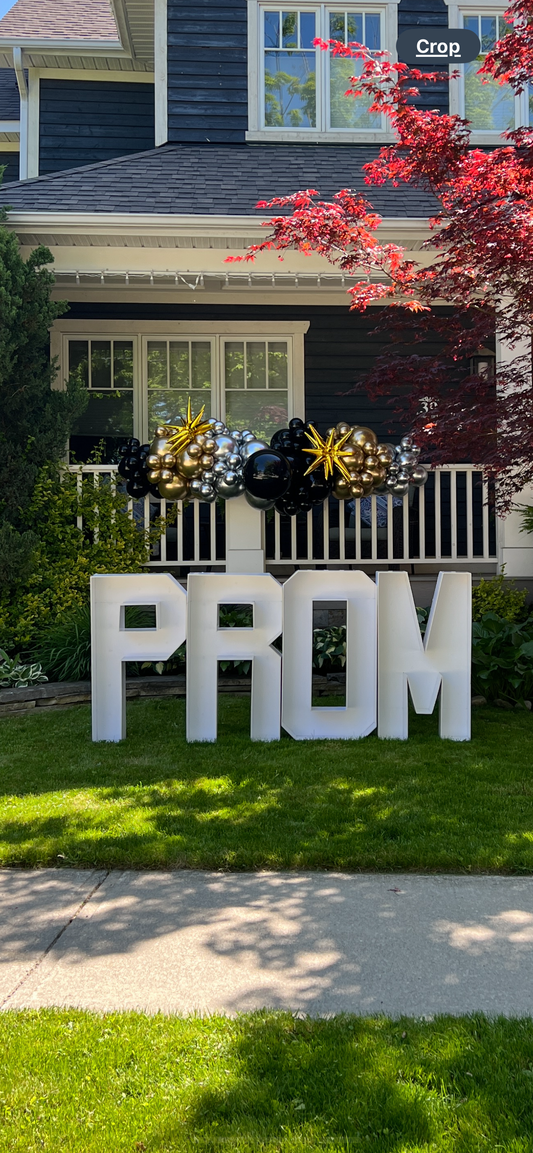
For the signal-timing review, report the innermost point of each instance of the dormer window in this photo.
(297, 90)
(491, 108)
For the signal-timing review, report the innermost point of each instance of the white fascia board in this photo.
(9, 125)
(120, 224)
(60, 47)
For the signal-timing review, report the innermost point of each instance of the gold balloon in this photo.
(369, 447)
(342, 428)
(355, 475)
(371, 461)
(188, 465)
(206, 461)
(168, 459)
(154, 475)
(195, 451)
(329, 431)
(357, 490)
(385, 454)
(362, 436)
(159, 446)
(352, 455)
(161, 431)
(175, 489)
(378, 473)
(153, 461)
(166, 474)
(341, 488)
(367, 480)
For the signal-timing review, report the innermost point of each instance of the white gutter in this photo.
(23, 92)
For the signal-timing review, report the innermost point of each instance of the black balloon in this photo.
(267, 474)
(282, 440)
(123, 468)
(136, 488)
(295, 423)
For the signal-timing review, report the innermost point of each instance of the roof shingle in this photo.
(60, 20)
(223, 180)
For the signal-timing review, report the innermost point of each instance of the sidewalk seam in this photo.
(58, 935)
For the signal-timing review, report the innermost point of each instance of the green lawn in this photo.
(154, 801)
(265, 1082)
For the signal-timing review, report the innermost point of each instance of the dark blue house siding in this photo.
(11, 161)
(86, 121)
(428, 13)
(207, 72)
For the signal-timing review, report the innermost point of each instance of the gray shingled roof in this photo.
(9, 95)
(225, 180)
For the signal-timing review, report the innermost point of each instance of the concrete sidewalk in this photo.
(186, 942)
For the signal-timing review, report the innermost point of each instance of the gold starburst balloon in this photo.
(191, 426)
(328, 452)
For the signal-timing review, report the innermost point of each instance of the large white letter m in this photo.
(442, 661)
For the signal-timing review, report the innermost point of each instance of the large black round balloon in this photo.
(267, 474)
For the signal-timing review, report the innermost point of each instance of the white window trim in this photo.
(140, 332)
(456, 11)
(256, 132)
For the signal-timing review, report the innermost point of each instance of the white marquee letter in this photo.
(442, 661)
(112, 644)
(358, 718)
(208, 644)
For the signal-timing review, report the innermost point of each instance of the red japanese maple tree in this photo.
(482, 261)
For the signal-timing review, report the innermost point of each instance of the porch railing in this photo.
(449, 520)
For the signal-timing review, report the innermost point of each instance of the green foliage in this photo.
(502, 658)
(498, 595)
(82, 529)
(17, 554)
(34, 419)
(329, 647)
(64, 649)
(15, 675)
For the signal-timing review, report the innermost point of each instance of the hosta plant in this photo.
(502, 658)
(329, 647)
(15, 675)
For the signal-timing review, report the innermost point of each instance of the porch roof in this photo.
(221, 180)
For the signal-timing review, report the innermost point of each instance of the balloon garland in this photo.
(202, 459)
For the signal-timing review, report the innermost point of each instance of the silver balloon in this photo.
(403, 476)
(208, 477)
(246, 432)
(224, 445)
(196, 485)
(234, 460)
(220, 467)
(406, 442)
(236, 435)
(407, 458)
(208, 493)
(391, 483)
(418, 475)
(400, 488)
(227, 488)
(259, 502)
(251, 446)
(219, 427)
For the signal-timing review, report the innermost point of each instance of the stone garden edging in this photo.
(64, 694)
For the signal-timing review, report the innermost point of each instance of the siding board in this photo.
(207, 72)
(11, 162)
(85, 121)
(429, 13)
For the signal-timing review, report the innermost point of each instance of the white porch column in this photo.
(515, 548)
(245, 546)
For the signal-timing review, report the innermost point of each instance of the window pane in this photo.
(201, 365)
(277, 365)
(354, 26)
(336, 26)
(78, 360)
(157, 364)
(373, 31)
(289, 30)
(490, 106)
(100, 364)
(307, 29)
(234, 361)
(123, 364)
(471, 22)
(346, 111)
(488, 33)
(179, 364)
(165, 406)
(271, 29)
(106, 415)
(263, 412)
(290, 90)
(255, 364)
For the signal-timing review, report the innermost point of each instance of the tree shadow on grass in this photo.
(351, 1083)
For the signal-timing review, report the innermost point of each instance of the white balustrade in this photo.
(449, 520)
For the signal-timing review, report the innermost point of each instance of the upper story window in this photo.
(490, 107)
(296, 88)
